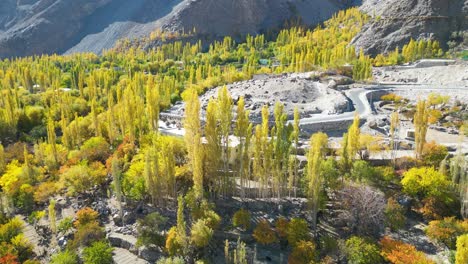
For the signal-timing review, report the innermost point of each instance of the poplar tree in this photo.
(52, 216)
(243, 132)
(213, 146)
(51, 138)
(420, 126)
(315, 157)
(152, 104)
(181, 226)
(354, 133)
(191, 122)
(117, 174)
(2, 158)
(293, 164)
(224, 113)
(394, 129)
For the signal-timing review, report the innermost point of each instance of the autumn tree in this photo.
(420, 127)
(315, 157)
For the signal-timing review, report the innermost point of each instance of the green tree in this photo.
(297, 231)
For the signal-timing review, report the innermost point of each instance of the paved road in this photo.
(358, 97)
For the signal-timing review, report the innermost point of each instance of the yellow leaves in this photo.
(10, 180)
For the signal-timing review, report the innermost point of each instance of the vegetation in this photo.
(85, 127)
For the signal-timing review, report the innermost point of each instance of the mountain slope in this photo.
(30, 27)
(397, 21)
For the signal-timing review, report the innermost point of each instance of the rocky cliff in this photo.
(397, 21)
(30, 27)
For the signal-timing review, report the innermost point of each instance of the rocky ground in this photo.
(292, 90)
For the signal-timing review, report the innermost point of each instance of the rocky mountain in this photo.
(30, 27)
(397, 21)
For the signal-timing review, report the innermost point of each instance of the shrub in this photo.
(434, 209)
(11, 229)
(95, 149)
(447, 230)
(391, 97)
(397, 252)
(149, 230)
(99, 252)
(433, 154)
(87, 234)
(82, 178)
(303, 252)
(173, 260)
(241, 219)
(35, 216)
(85, 216)
(461, 256)
(425, 182)
(65, 225)
(363, 171)
(264, 234)
(394, 214)
(281, 227)
(23, 247)
(172, 244)
(44, 191)
(297, 231)
(201, 234)
(362, 251)
(64, 257)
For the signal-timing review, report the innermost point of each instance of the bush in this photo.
(149, 230)
(425, 182)
(362, 251)
(65, 225)
(99, 252)
(87, 234)
(11, 229)
(303, 252)
(394, 215)
(281, 227)
(44, 191)
(23, 247)
(297, 231)
(433, 154)
(64, 257)
(461, 256)
(95, 149)
(172, 245)
(363, 171)
(397, 252)
(391, 97)
(85, 216)
(35, 216)
(241, 219)
(434, 209)
(201, 234)
(447, 230)
(264, 234)
(174, 260)
(82, 178)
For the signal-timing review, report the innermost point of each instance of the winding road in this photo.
(358, 97)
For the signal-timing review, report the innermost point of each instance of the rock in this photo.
(332, 84)
(396, 22)
(149, 254)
